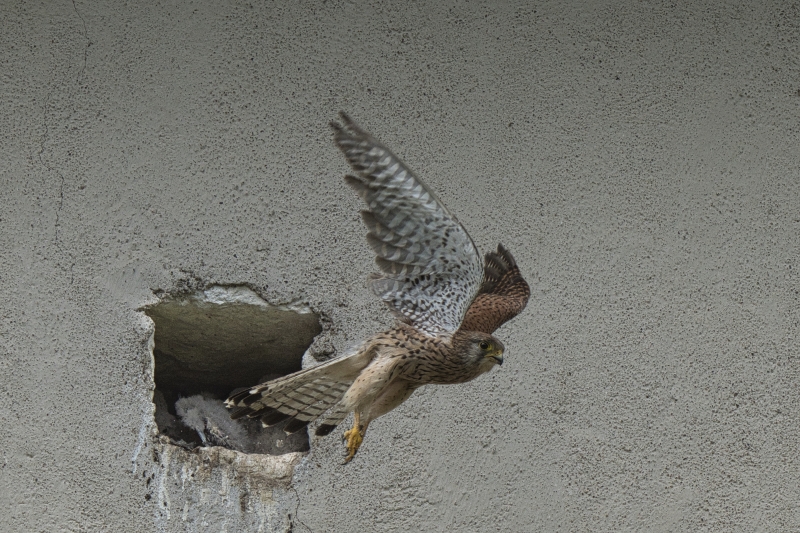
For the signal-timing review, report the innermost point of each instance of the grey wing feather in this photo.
(430, 268)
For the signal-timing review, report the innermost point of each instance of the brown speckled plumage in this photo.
(502, 296)
(447, 300)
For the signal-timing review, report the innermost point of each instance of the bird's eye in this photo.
(484, 345)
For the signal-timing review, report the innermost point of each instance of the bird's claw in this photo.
(353, 438)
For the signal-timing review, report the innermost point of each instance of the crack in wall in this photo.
(50, 168)
(46, 119)
(294, 518)
(57, 224)
(46, 134)
(88, 42)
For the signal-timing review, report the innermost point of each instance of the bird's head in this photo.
(484, 350)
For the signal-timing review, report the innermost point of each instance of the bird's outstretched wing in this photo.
(430, 268)
(502, 296)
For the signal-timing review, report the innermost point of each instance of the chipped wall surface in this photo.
(211, 343)
(640, 159)
(227, 338)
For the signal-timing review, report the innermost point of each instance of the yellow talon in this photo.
(354, 438)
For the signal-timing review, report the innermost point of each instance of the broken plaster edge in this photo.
(225, 295)
(148, 424)
(239, 294)
(258, 471)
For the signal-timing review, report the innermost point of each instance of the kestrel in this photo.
(448, 303)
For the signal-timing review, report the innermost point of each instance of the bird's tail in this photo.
(300, 397)
(333, 419)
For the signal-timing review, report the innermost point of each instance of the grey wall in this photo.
(639, 158)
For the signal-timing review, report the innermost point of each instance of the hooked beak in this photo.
(498, 357)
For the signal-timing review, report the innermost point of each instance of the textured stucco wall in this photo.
(641, 160)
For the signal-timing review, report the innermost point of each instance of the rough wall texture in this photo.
(640, 159)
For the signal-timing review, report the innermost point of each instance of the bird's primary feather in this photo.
(503, 294)
(430, 268)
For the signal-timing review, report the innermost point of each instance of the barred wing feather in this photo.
(430, 268)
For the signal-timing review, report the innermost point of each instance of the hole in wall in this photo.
(211, 343)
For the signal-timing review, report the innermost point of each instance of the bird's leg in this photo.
(353, 437)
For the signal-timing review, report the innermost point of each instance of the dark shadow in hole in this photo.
(211, 343)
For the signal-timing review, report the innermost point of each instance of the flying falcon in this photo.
(448, 303)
